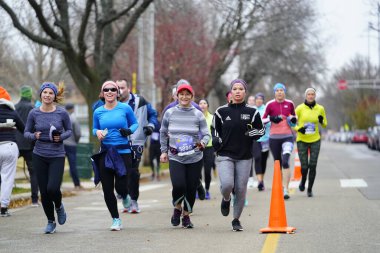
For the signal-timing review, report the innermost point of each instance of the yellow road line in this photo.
(270, 244)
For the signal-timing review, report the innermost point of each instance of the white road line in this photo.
(358, 182)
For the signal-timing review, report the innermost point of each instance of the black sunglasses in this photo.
(109, 89)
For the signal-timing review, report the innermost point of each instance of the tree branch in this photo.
(82, 30)
(118, 15)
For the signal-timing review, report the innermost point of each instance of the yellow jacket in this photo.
(308, 117)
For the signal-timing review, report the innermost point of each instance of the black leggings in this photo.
(208, 163)
(185, 180)
(276, 146)
(260, 158)
(154, 154)
(134, 173)
(111, 181)
(49, 172)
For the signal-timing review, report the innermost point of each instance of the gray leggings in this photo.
(233, 175)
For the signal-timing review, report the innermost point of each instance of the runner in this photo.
(183, 136)
(208, 152)
(280, 112)
(49, 125)
(310, 115)
(113, 123)
(235, 126)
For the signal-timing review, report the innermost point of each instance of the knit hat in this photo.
(241, 81)
(279, 86)
(26, 92)
(4, 94)
(185, 87)
(309, 89)
(48, 85)
(182, 81)
(261, 95)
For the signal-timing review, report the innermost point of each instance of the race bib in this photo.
(185, 145)
(309, 128)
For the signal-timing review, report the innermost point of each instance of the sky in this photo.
(344, 25)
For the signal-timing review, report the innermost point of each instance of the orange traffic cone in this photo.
(297, 167)
(277, 216)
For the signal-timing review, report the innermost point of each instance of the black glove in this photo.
(293, 120)
(320, 119)
(56, 133)
(125, 132)
(148, 130)
(302, 130)
(275, 119)
(216, 143)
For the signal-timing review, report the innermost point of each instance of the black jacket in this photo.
(23, 108)
(9, 121)
(238, 125)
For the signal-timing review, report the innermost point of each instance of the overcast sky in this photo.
(344, 23)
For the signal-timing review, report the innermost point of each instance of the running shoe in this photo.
(35, 204)
(126, 203)
(225, 207)
(309, 193)
(186, 222)
(201, 191)
(286, 194)
(251, 182)
(236, 226)
(50, 227)
(208, 196)
(61, 215)
(176, 217)
(134, 207)
(261, 186)
(116, 224)
(5, 212)
(301, 187)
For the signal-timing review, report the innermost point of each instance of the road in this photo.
(336, 219)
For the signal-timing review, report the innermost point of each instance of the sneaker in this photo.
(61, 215)
(50, 227)
(35, 204)
(208, 195)
(251, 182)
(236, 226)
(176, 217)
(225, 207)
(126, 203)
(261, 186)
(286, 194)
(116, 224)
(186, 222)
(201, 192)
(134, 207)
(5, 212)
(309, 193)
(301, 187)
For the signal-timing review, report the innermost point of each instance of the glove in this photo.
(148, 130)
(320, 119)
(125, 132)
(293, 120)
(216, 143)
(276, 119)
(56, 133)
(302, 130)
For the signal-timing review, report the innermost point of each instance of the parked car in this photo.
(359, 136)
(374, 138)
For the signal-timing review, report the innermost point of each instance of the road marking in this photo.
(358, 182)
(270, 244)
(149, 187)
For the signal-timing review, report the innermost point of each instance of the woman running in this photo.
(310, 115)
(113, 123)
(280, 112)
(235, 127)
(183, 136)
(49, 125)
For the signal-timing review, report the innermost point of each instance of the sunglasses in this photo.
(109, 89)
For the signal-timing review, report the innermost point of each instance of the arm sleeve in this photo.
(164, 137)
(204, 129)
(29, 128)
(216, 126)
(95, 123)
(298, 114)
(66, 125)
(152, 115)
(132, 121)
(323, 113)
(266, 115)
(19, 123)
(76, 131)
(258, 128)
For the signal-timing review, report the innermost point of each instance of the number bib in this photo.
(310, 128)
(185, 145)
